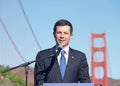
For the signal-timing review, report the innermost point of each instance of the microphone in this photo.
(59, 48)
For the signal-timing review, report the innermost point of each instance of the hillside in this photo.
(7, 82)
(10, 79)
(20, 72)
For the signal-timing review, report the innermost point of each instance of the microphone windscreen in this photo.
(60, 46)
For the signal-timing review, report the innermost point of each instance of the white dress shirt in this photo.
(66, 55)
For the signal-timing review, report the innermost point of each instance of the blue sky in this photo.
(87, 16)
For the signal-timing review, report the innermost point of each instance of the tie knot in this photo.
(62, 52)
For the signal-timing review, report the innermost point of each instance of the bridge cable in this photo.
(12, 40)
(29, 25)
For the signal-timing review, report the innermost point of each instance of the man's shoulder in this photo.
(76, 51)
(45, 53)
(48, 50)
(78, 54)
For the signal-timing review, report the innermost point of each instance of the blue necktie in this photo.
(62, 63)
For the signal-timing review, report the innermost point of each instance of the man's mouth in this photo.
(61, 41)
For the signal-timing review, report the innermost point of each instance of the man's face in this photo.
(63, 35)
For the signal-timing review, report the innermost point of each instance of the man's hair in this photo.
(63, 22)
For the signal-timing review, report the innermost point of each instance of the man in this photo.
(48, 66)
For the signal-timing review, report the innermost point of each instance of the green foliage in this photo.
(12, 77)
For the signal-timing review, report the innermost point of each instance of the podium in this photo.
(68, 84)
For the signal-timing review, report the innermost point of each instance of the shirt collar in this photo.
(66, 50)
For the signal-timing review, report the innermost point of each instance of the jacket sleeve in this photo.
(84, 70)
(39, 74)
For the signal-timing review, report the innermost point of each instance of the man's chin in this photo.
(61, 44)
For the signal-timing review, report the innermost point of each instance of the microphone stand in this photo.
(25, 65)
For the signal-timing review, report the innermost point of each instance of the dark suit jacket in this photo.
(47, 68)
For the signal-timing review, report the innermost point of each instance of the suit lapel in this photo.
(57, 68)
(69, 64)
(55, 71)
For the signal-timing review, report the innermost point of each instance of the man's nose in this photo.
(62, 35)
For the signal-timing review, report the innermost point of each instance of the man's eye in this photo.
(58, 32)
(66, 33)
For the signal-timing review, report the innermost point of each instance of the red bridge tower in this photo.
(99, 66)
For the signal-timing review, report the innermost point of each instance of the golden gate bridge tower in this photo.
(99, 66)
